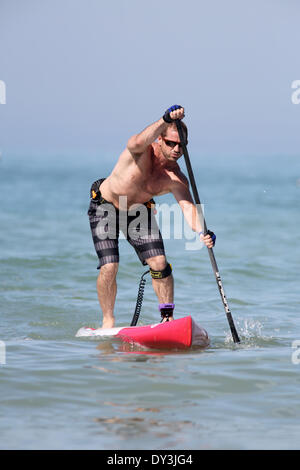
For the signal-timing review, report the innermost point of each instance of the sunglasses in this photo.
(172, 143)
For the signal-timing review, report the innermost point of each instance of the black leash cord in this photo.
(139, 300)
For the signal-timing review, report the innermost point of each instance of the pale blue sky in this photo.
(83, 75)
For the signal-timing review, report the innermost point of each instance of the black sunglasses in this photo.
(172, 143)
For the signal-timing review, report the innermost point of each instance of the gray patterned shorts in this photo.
(139, 227)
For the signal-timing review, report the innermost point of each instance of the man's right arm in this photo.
(137, 144)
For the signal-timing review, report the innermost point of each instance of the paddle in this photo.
(210, 250)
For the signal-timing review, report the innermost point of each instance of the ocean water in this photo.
(62, 392)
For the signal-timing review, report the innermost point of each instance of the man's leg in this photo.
(164, 288)
(149, 246)
(107, 291)
(103, 219)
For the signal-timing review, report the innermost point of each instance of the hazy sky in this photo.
(83, 75)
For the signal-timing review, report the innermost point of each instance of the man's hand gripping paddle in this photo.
(203, 223)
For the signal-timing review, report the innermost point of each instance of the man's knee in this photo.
(157, 263)
(109, 270)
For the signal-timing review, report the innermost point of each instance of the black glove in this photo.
(213, 236)
(166, 116)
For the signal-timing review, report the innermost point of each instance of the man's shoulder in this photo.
(179, 176)
(127, 154)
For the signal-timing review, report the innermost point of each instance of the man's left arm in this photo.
(181, 192)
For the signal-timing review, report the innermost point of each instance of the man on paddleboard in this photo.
(146, 168)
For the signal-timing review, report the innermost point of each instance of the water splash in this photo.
(251, 335)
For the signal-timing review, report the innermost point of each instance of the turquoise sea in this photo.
(62, 392)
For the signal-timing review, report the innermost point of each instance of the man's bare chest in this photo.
(157, 183)
(151, 180)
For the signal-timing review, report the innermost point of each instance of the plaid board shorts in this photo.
(106, 221)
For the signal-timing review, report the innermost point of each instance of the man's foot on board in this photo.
(167, 319)
(166, 311)
(108, 323)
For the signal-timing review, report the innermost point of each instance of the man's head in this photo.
(169, 142)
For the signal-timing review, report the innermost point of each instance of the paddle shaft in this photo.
(203, 223)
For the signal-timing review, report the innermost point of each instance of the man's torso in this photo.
(139, 179)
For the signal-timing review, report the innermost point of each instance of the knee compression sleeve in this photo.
(161, 274)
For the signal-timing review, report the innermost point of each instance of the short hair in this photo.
(173, 125)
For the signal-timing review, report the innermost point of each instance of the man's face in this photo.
(170, 145)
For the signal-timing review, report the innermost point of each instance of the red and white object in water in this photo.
(177, 334)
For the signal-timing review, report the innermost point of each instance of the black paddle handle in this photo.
(203, 223)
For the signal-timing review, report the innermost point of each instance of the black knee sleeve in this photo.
(161, 274)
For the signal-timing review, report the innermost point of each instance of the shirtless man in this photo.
(146, 168)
